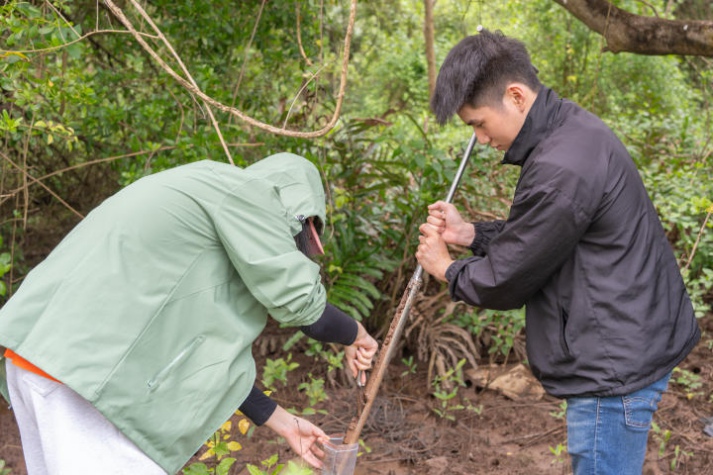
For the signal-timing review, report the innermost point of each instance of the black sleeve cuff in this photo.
(484, 232)
(334, 326)
(258, 407)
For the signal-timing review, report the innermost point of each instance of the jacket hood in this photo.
(299, 184)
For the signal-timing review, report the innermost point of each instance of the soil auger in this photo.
(368, 394)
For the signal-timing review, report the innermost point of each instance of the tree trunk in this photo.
(428, 33)
(626, 32)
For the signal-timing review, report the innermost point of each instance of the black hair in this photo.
(477, 72)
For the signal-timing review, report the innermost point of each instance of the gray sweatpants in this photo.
(63, 434)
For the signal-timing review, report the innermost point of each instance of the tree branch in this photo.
(119, 14)
(168, 45)
(430, 40)
(626, 32)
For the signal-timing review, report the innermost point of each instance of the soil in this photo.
(496, 433)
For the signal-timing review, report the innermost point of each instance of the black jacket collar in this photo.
(537, 124)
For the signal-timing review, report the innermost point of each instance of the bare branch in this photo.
(698, 241)
(37, 180)
(430, 39)
(299, 36)
(299, 93)
(247, 53)
(32, 179)
(231, 110)
(77, 40)
(168, 45)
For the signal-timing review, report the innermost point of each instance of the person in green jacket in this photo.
(130, 344)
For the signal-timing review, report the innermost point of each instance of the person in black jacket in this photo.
(607, 313)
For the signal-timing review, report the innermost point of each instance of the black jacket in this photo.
(583, 249)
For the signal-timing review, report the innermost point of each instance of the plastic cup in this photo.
(339, 458)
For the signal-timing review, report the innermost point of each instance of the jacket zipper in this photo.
(160, 377)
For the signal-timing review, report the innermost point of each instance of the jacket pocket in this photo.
(161, 376)
(564, 318)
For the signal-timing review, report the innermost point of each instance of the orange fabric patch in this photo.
(21, 362)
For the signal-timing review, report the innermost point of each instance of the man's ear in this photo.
(518, 95)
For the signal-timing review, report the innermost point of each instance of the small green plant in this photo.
(446, 407)
(411, 366)
(334, 359)
(562, 411)
(690, 381)
(477, 410)
(297, 469)
(221, 443)
(219, 446)
(445, 395)
(3, 470)
(277, 370)
(223, 468)
(679, 455)
(499, 329)
(366, 448)
(559, 451)
(272, 467)
(663, 436)
(314, 389)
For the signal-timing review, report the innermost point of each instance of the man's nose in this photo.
(482, 138)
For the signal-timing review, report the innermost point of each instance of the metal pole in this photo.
(456, 181)
(397, 325)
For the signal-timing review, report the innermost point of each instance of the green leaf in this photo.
(196, 469)
(254, 470)
(223, 467)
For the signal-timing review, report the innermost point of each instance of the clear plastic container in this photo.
(339, 458)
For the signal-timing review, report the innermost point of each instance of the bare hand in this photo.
(359, 355)
(301, 435)
(432, 252)
(449, 224)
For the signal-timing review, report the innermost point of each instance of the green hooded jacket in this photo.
(148, 308)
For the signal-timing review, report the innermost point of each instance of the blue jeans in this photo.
(608, 435)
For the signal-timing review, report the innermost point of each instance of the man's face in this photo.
(493, 125)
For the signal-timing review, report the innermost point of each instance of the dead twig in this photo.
(698, 240)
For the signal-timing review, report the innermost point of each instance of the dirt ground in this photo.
(494, 434)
